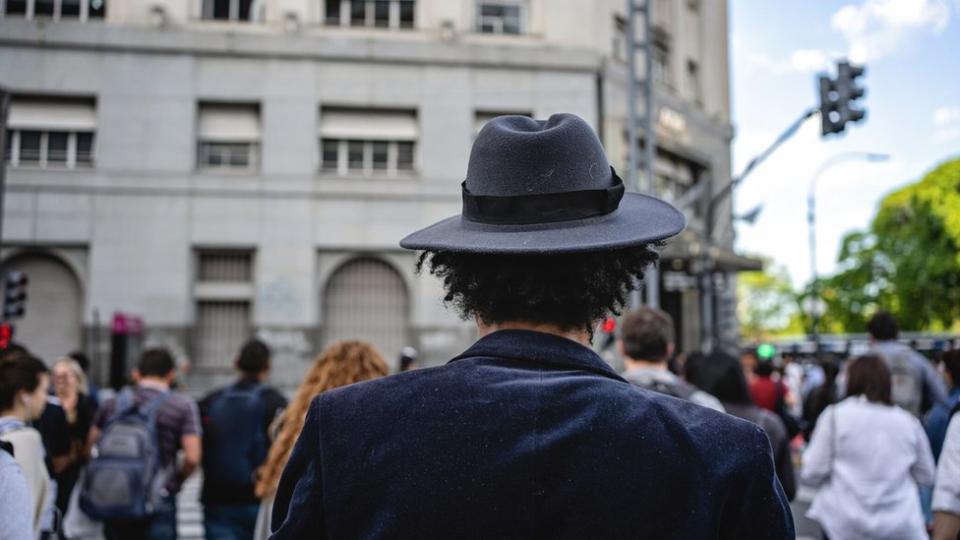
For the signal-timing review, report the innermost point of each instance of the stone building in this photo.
(225, 167)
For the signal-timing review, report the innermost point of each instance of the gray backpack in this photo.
(125, 479)
(906, 383)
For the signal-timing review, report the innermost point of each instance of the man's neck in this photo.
(631, 363)
(580, 336)
(154, 382)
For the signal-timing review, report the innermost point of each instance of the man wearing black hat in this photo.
(529, 434)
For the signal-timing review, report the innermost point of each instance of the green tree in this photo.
(908, 261)
(766, 303)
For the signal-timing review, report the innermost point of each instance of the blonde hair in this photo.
(83, 386)
(340, 364)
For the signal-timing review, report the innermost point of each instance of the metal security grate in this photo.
(221, 328)
(231, 266)
(366, 299)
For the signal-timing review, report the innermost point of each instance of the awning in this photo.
(51, 115)
(229, 123)
(368, 125)
(688, 247)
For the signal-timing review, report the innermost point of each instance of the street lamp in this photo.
(811, 222)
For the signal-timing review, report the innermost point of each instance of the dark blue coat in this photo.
(525, 435)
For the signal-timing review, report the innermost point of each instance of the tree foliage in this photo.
(908, 261)
(766, 304)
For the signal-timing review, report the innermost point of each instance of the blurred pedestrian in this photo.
(529, 433)
(340, 364)
(236, 420)
(868, 458)
(177, 427)
(23, 395)
(946, 493)
(646, 343)
(939, 416)
(770, 393)
(92, 390)
(70, 388)
(765, 390)
(820, 397)
(916, 385)
(721, 375)
(15, 498)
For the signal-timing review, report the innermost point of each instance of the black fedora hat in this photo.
(545, 186)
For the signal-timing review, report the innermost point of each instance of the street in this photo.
(807, 529)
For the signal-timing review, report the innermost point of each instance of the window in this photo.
(369, 13)
(54, 9)
(371, 142)
(480, 118)
(51, 132)
(229, 137)
(499, 18)
(225, 265)
(694, 90)
(661, 61)
(223, 290)
(227, 10)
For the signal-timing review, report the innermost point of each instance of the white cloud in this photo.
(946, 124)
(877, 28)
(946, 116)
(810, 60)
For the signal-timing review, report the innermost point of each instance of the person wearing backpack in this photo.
(135, 440)
(915, 384)
(646, 343)
(235, 443)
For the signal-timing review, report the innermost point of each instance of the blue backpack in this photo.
(125, 479)
(234, 444)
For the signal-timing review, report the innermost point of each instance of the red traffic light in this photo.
(6, 335)
(609, 325)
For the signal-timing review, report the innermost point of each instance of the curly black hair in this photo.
(572, 290)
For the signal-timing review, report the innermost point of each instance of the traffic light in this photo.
(15, 295)
(839, 98)
(850, 91)
(766, 351)
(830, 121)
(609, 329)
(6, 335)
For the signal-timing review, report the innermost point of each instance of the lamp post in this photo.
(811, 223)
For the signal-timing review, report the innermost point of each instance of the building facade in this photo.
(227, 167)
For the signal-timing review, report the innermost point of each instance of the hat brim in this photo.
(638, 220)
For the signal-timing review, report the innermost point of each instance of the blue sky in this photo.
(912, 52)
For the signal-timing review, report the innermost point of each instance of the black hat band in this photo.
(542, 208)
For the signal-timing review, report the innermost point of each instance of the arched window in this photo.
(367, 299)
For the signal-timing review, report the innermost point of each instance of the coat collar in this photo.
(539, 348)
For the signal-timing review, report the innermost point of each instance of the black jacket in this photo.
(525, 435)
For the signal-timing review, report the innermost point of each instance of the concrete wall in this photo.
(139, 215)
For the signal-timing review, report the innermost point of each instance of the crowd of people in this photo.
(240, 436)
(872, 427)
(529, 432)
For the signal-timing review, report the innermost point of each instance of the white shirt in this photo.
(946, 496)
(868, 459)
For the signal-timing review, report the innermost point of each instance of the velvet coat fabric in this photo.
(525, 435)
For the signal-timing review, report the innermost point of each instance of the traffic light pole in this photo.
(708, 324)
(757, 160)
(4, 110)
